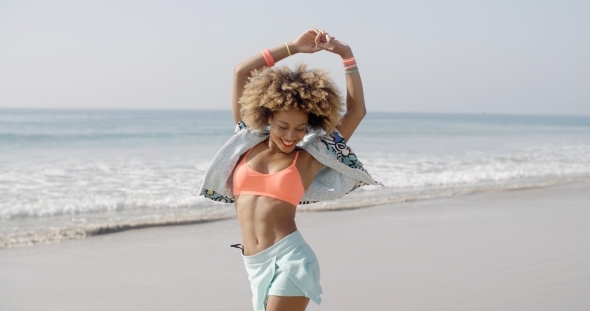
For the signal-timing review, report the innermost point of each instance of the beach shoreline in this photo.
(508, 250)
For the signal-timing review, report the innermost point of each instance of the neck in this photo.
(272, 147)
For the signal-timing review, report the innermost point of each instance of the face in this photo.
(287, 128)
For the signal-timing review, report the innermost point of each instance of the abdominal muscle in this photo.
(264, 221)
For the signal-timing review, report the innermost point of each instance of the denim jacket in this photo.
(342, 171)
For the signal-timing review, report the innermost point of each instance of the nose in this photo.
(291, 136)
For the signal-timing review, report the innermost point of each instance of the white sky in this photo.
(527, 57)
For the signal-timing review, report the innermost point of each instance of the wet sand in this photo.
(512, 250)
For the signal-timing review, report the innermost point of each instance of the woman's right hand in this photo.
(306, 43)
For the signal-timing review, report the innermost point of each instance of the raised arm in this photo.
(305, 43)
(355, 100)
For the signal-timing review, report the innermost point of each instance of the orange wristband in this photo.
(349, 61)
(268, 58)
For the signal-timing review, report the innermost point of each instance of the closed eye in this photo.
(298, 130)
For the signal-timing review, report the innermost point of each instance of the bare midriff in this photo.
(264, 221)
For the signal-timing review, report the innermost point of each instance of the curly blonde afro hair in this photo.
(269, 90)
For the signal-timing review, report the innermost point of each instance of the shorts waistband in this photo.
(284, 244)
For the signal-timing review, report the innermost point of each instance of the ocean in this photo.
(70, 174)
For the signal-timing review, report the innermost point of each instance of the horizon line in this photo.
(229, 110)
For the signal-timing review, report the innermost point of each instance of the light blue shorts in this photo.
(288, 268)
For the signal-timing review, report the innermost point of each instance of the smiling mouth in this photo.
(287, 144)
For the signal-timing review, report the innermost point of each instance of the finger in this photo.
(318, 39)
(326, 46)
(320, 32)
(311, 32)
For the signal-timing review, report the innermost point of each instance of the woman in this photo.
(289, 149)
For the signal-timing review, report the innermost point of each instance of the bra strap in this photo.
(296, 155)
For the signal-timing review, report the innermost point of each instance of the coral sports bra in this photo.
(284, 185)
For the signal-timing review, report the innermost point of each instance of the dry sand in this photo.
(513, 250)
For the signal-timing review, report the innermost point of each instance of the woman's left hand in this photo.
(330, 44)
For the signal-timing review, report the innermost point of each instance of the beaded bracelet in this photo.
(351, 71)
